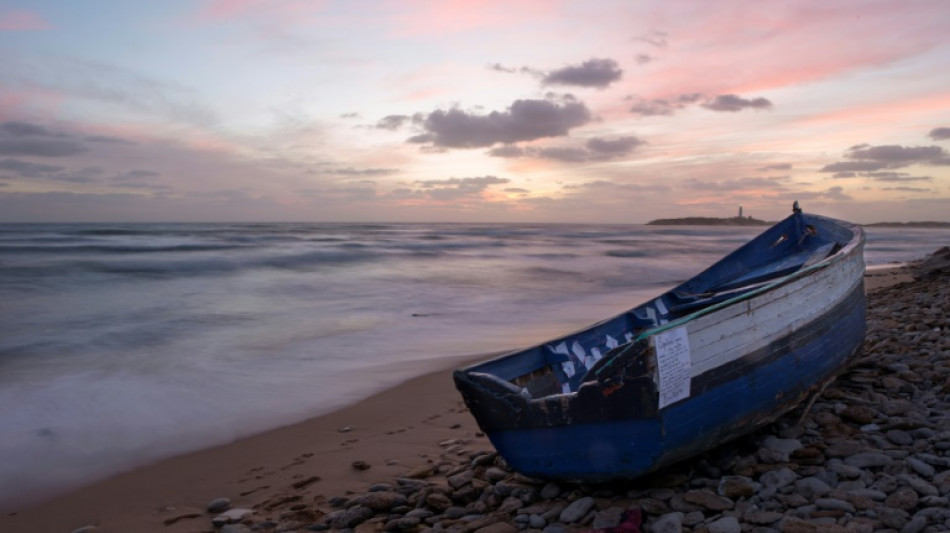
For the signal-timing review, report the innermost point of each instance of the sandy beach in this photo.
(377, 440)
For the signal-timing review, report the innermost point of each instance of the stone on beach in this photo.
(218, 505)
(576, 510)
(231, 516)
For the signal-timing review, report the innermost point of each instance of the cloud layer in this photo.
(528, 111)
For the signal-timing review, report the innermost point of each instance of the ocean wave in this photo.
(116, 248)
(630, 253)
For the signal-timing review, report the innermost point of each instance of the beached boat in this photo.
(718, 356)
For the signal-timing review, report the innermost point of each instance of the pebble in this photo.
(709, 501)
(834, 504)
(576, 510)
(868, 460)
(235, 528)
(668, 523)
(811, 488)
(726, 524)
(607, 518)
(550, 491)
(231, 516)
(218, 505)
(872, 454)
(774, 480)
(735, 487)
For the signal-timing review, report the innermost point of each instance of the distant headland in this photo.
(749, 221)
(709, 221)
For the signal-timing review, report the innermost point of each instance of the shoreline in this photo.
(392, 433)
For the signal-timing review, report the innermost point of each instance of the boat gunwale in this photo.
(858, 238)
(840, 255)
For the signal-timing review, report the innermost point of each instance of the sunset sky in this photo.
(477, 111)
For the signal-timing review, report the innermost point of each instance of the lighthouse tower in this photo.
(740, 210)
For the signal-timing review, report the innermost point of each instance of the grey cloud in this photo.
(223, 195)
(595, 149)
(82, 175)
(26, 169)
(896, 177)
(737, 184)
(40, 147)
(525, 120)
(776, 166)
(517, 190)
(565, 154)
(844, 175)
(873, 158)
(453, 188)
(166, 189)
(650, 108)
(621, 145)
(939, 134)
(832, 193)
(405, 192)
(897, 155)
(357, 193)
(392, 122)
(908, 189)
(335, 194)
(508, 150)
(733, 103)
(601, 185)
(643, 59)
(22, 129)
(853, 166)
(480, 181)
(498, 67)
(111, 84)
(501, 68)
(350, 171)
(24, 139)
(134, 175)
(662, 106)
(596, 184)
(654, 38)
(106, 139)
(598, 73)
(837, 193)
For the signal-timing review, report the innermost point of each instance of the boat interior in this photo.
(563, 365)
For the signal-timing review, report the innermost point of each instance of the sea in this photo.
(121, 344)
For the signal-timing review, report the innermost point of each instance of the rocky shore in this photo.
(871, 454)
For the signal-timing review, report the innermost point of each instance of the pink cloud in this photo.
(745, 48)
(267, 10)
(22, 21)
(426, 18)
(225, 9)
(34, 104)
(884, 116)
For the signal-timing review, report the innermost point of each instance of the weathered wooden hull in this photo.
(751, 359)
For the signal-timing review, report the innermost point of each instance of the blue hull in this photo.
(767, 385)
